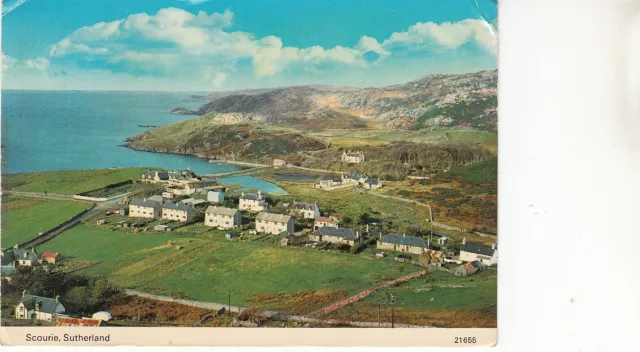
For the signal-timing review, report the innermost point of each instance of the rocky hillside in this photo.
(467, 100)
(206, 138)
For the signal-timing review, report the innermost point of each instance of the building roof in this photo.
(47, 305)
(404, 240)
(435, 254)
(192, 201)
(477, 248)
(353, 175)
(23, 254)
(177, 206)
(251, 196)
(48, 255)
(65, 321)
(304, 205)
(156, 198)
(144, 202)
(273, 217)
(342, 232)
(372, 181)
(221, 211)
(325, 219)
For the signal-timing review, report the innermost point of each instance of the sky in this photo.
(216, 45)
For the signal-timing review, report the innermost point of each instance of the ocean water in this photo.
(70, 130)
(67, 130)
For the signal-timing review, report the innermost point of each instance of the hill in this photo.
(466, 100)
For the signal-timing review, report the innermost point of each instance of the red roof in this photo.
(78, 322)
(325, 219)
(49, 255)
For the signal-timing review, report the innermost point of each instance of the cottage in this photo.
(372, 183)
(278, 163)
(329, 182)
(334, 235)
(353, 178)
(144, 208)
(321, 221)
(49, 257)
(486, 255)
(441, 240)
(215, 196)
(352, 157)
(223, 218)
(274, 223)
(468, 268)
(25, 256)
(252, 202)
(78, 322)
(402, 243)
(305, 210)
(178, 212)
(39, 308)
(154, 176)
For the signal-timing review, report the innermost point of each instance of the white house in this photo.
(486, 255)
(305, 210)
(274, 223)
(39, 308)
(278, 163)
(176, 212)
(352, 157)
(223, 218)
(215, 196)
(252, 202)
(321, 221)
(144, 208)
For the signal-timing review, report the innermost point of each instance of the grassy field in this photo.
(68, 182)
(208, 265)
(24, 217)
(439, 299)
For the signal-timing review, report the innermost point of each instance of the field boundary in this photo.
(55, 230)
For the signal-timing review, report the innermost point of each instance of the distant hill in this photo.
(467, 100)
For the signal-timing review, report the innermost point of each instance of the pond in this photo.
(250, 182)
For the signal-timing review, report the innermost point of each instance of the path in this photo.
(40, 195)
(236, 173)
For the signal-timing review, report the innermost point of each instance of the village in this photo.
(183, 198)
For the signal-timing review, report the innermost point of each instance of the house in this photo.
(252, 202)
(49, 257)
(193, 202)
(441, 240)
(182, 175)
(274, 223)
(144, 208)
(39, 308)
(329, 182)
(215, 196)
(167, 195)
(305, 210)
(25, 256)
(486, 255)
(334, 235)
(352, 157)
(372, 183)
(402, 243)
(278, 163)
(162, 228)
(353, 178)
(154, 176)
(78, 322)
(468, 268)
(179, 212)
(221, 217)
(321, 221)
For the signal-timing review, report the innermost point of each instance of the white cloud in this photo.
(219, 78)
(7, 62)
(447, 35)
(39, 64)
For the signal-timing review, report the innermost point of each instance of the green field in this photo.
(68, 182)
(24, 217)
(439, 299)
(209, 265)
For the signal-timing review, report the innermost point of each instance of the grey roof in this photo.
(156, 198)
(144, 203)
(14, 254)
(353, 175)
(477, 248)
(163, 175)
(303, 205)
(192, 201)
(250, 196)
(8, 257)
(273, 217)
(343, 232)
(372, 181)
(404, 240)
(178, 206)
(47, 305)
(221, 211)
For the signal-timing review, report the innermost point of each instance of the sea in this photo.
(70, 130)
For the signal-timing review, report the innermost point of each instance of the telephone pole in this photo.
(393, 310)
(229, 310)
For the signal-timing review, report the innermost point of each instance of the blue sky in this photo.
(198, 45)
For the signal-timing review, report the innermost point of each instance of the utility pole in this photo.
(378, 314)
(229, 311)
(393, 310)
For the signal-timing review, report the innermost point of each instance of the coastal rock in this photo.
(182, 111)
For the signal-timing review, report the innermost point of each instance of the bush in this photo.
(253, 314)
